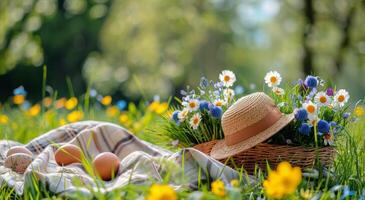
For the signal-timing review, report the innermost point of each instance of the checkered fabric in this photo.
(141, 162)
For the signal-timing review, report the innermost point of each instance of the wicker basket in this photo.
(264, 153)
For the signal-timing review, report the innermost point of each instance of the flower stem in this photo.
(317, 161)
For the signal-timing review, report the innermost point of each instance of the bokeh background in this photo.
(138, 49)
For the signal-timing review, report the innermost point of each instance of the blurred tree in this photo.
(59, 34)
(153, 46)
(147, 47)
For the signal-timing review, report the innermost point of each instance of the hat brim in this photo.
(220, 150)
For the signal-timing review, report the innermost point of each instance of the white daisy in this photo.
(322, 99)
(311, 108)
(273, 79)
(229, 94)
(195, 121)
(328, 139)
(227, 78)
(183, 114)
(192, 105)
(219, 103)
(341, 97)
(278, 91)
(313, 119)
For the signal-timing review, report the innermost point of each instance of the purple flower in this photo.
(216, 111)
(304, 129)
(329, 92)
(323, 126)
(311, 82)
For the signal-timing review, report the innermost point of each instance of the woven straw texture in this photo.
(264, 153)
(245, 112)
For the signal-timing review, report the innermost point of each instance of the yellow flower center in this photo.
(273, 79)
(227, 78)
(196, 120)
(323, 99)
(311, 108)
(218, 103)
(341, 98)
(192, 104)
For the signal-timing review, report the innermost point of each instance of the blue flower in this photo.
(333, 124)
(19, 91)
(121, 104)
(203, 105)
(239, 89)
(311, 82)
(175, 116)
(323, 126)
(26, 105)
(204, 82)
(301, 114)
(216, 111)
(346, 115)
(93, 93)
(347, 192)
(304, 129)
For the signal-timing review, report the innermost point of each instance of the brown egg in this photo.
(106, 165)
(18, 149)
(68, 154)
(18, 162)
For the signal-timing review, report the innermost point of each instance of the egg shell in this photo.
(68, 154)
(18, 149)
(106, 165)
(18, 162)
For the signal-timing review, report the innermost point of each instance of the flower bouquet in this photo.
(321, 112)
(197, 118)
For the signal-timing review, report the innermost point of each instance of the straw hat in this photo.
(248, 122)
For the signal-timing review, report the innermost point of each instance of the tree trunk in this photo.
(307, 59)
(345, 39)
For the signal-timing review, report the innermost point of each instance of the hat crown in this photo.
(246, 111)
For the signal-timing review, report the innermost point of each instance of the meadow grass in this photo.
(348, 167)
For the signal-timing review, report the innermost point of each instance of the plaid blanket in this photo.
(141, 162)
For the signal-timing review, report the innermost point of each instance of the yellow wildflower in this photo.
(47, 101)
(218, 188)
(75, 116)
(306, 194)
(161, 192)
(162, 107)
(34, 110)
(123, 118)
(235, 183)
(18, 99)
(106, 101)
(71, 103)
(4, 119)
(62, 122)
(283, 181)
(60, 103)
(153, 106)
(112, 111)
(359, 111)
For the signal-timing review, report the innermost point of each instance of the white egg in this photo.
(18, 162)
